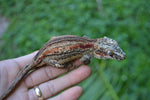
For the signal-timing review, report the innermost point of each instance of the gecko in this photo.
(62, 51)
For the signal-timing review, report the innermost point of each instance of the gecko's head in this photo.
(107, 48)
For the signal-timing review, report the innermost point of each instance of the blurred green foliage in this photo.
(33, 22)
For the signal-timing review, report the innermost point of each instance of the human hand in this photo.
(46, 78)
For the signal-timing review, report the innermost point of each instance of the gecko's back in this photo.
(65, 48)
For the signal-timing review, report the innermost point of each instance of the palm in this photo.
(44, 77)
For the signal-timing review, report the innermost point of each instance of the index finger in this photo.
(45, 73)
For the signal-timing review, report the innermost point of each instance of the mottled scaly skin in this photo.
(64, 49)
(61, 51)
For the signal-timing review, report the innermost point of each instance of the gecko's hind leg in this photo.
(53, 63)
(70, 65)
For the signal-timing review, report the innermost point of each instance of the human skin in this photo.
(46, 78)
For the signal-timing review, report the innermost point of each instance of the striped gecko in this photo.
(62, 51)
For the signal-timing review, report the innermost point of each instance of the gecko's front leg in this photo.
(86, 59)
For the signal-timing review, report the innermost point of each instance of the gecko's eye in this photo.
(110, 52)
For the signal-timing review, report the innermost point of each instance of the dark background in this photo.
(33, 22)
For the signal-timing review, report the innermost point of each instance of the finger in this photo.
(44, 74)
(18, 62)
(25, 60)
(71, 94)
(55, 86)
(14, 65)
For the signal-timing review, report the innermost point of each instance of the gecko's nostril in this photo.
(123, 57)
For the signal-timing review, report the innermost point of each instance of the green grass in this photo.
(34, 22)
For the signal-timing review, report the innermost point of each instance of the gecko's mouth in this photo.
(119, 57)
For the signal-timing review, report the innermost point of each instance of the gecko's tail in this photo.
(17, 80)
